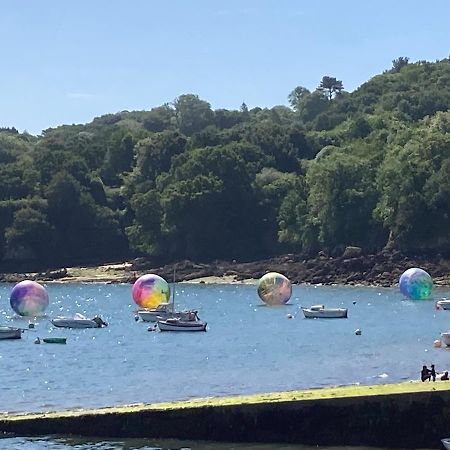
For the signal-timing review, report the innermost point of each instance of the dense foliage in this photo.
(369, 168)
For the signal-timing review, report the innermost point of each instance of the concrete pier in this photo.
(405, 415)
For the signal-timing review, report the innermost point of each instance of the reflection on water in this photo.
(247, 348)
(71, 443)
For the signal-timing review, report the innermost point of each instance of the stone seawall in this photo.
(406, 415)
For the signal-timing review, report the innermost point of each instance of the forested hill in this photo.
(369, 168)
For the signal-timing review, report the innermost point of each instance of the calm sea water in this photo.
(248, 348)
(71, 443)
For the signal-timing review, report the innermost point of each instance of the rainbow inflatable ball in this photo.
(29, 298)
(416, 284)
(274, 289)
(150, 290)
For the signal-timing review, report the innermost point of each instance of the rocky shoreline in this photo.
(352, 268)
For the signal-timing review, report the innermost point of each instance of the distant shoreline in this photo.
(382, 269)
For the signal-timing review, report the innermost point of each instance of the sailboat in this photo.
(180, 321)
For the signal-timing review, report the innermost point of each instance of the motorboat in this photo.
(443, 303)
(445, 338)
(176, 324)
(446, 443)
(151, 314)
(78, 321)
(320, 312)
(10, 333)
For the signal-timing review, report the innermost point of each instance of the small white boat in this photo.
(446, 443)
(175, 324)
(10, 333)
(320, 312)
(78, 321)
(445, 338)
(443, 303)
(165, 311)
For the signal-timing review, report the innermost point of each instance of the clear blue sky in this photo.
(68, 61)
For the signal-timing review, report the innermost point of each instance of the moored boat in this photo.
(78, 321)
(164, 313)
(446, 443)
(443, 303)
(445, 338)
(174, 324)
(55, 340)
(10, 333)
(320, 312)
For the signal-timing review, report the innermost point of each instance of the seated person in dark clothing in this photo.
(445, 376)
(433, 372)
(425, 374)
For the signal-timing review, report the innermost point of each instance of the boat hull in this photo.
(338, 313)
(445, 338)
(10, 333)
(154, 316)
(446, 443)
(55, 340)
(74, 323)
(443, 304)
(179, 325)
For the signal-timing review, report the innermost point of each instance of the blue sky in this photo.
(69, 61)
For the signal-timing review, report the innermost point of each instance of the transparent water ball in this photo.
(150, 290)
(416, 284)
(274, 289)
(29, 298)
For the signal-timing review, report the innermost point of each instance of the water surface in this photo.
(248, 348)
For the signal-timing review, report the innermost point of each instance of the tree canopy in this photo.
(369, 168)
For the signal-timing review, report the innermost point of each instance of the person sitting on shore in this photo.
(445, 376)
(425, 374)
(433, 372)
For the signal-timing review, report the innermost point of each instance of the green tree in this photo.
(296, 96)
(29, 232)
(192, 114)
(399, 63)
(330, 86)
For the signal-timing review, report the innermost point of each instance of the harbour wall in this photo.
(406, 415)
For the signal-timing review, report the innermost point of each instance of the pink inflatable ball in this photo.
(150, 290)
(29, 298)
(437, 343)
(416, 284)
(274, 289)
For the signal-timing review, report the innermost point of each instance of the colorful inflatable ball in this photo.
(150, 290)
(416, 284)
(274, 289)
(29, 298)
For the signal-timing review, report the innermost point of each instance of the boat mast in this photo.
(173, 288)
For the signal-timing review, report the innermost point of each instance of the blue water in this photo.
(67, 443)
(248, 348)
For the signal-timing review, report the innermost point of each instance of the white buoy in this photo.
(358, 332)
(354, 302)
(437, 343)
(290, 316)
(37, 341)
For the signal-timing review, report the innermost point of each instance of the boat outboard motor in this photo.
(100, 322)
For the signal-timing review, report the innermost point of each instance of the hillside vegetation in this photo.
(369, 168)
